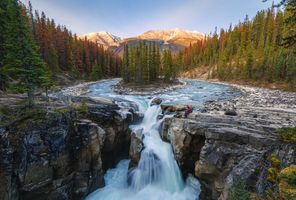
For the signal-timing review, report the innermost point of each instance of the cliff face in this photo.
(232, 140)
(61, 154)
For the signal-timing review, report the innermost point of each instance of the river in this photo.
(157, 176)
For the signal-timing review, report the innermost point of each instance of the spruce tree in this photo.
(125, 64)
(3, 21)
(21, 61)
(289, 39)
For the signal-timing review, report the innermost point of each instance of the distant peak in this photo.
(104, 38)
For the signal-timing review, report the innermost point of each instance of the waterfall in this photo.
(157, 176)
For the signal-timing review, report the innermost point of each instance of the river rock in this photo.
(136, 147)
(173, 108)
(156, 101)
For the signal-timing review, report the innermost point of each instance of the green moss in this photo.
(239, 192)
(288, 135)
(63, 110)
(21, 114)
(83, 108)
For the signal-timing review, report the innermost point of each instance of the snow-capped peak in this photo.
(103, 38)
(177, 35)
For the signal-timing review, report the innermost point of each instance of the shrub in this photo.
(288, 182)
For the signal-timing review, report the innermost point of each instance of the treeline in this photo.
(33, 50)
(63, 51)
(144, 63)
(254, 50)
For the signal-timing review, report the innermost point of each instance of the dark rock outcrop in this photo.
(220, 149)
(62, 154)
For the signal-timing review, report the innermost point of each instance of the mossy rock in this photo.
(287, 184)
(288, 135)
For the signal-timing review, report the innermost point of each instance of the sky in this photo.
(127, 18)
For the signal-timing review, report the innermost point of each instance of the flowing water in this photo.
(157, 176)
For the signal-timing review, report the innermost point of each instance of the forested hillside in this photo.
(34, 49)
(261, 49)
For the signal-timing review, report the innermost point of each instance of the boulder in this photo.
(136, 147)
(156, 101)
(173, 108)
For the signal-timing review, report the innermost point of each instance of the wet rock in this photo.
(136, 148)
(101, 100)
(172, 108)
(186, 142)
(231, 112)
(156, 101)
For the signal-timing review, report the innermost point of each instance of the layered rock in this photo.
(230, 140)
(61, 154)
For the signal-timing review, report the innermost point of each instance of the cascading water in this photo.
(157, 176)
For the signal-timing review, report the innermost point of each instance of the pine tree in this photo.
(144, 63)
(21, 61)
(167, 64)
(3, 21)
(96, 72)
(289, 39)
(125, 64)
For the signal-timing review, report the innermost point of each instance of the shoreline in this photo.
(251, 95)
(149, 89)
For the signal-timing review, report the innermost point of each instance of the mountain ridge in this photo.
(175, 39)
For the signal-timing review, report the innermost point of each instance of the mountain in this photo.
(175, 39)
(176, 36)
(103, 38)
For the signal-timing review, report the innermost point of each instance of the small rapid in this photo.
(157, 176)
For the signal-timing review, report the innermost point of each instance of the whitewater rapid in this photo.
(157, 176)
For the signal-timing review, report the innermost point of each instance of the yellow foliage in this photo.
(289, 191)
(275, 162)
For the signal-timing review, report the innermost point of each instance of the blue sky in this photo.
(127, 18)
